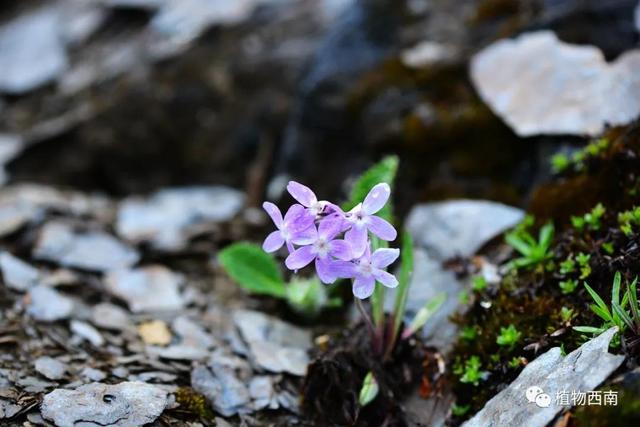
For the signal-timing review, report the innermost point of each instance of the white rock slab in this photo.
(93, 250)
(540, 85)
(147, 289)
(164, 219)
(582, 370)
(33, 52)
(459, 227)
(128, 404)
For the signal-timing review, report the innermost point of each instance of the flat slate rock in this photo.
(164, 219)
(459, 227)
(147, 289)
(128, 404)
(540, 85)
(48, 305)
(275, 346)
(93, 250)
(582, 370)
(17, 274)
(50, 368)
(33, 53)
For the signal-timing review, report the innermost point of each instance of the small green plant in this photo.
(515, 362)
(468, 333)
(459, 410)
(478, 283)
(568, 286)
(508, 336)
(628, 220)
(590, 220)
(533, 252)
(608, 247)
(560, 162)
(463, 297)
(470, 373)
(566, 314)
(611, 317)
(583, 263)
(568, 266)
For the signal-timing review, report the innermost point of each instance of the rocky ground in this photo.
(139, 137)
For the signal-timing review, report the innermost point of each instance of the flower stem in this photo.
(366, 318)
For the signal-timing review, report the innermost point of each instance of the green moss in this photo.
(194, 404)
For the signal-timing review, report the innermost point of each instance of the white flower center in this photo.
(365, 268)
(321, 247)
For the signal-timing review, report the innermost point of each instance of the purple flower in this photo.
(323, 248)
(306, 197)
(363, 220)
(369, 268)
(296, 227)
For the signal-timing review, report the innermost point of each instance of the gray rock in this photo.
(222, 382)
(582, 370)
(166, 217)
(8, 409)
(459, 227)
(570, 90)
(87, 332)
(178, 352)
(92, 374)
(109, 316)
(262, 392)
(48, 305)
(33, 53)
(128, 404)
(429, 53)
(275, 345)
(145, 289)
(17, 274)
(94, 250)
(50, 368)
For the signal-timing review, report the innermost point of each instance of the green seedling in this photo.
(533, 252)
(508, 336)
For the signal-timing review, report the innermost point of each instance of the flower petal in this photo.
(299, 258)
(305, 237)
(324, 270)
(330, 226)
(357, 238)
(301, 193)
(341, 249)
(382, 228)
(383, 257)
(387, 279)
(363, 286)
(274, 213)
(297, 218)
(273, 242)
(343, 269)
(376, 198)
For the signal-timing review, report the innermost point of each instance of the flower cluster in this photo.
(336, 242)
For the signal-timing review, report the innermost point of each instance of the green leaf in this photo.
(633, 299)
(383, 171)
(622, 315)
(518, 244)
(615, 290)
(369, 389)
(604, 314)
(587, 329)
(546, 235)
(406, 269)
(423, 315)
(253, 269)
(596, 297)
